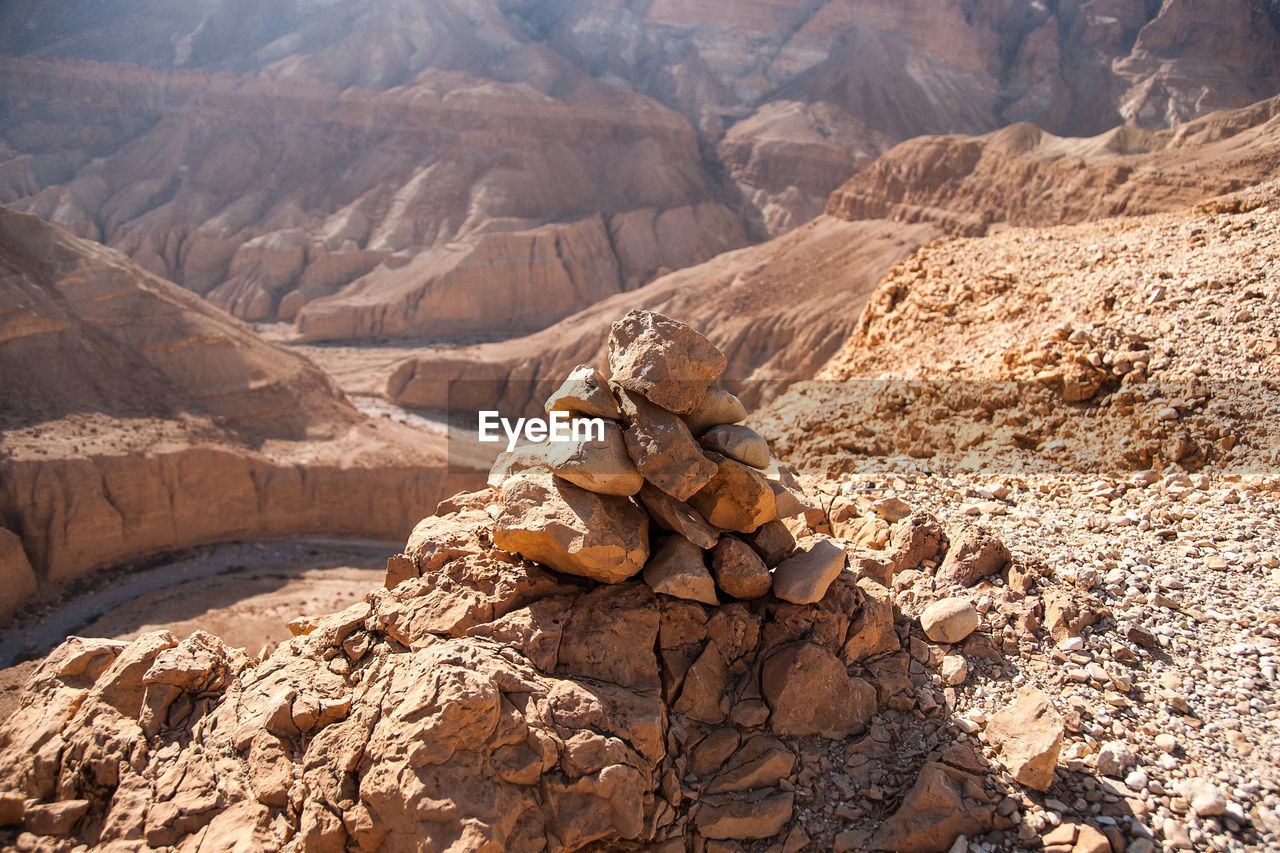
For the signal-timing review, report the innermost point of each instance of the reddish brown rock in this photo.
(677, 517)
(738, 569)
(678, 568)
(735, 498)
(871, 632)
(665, 360)
(944, 803)
(975, 553)
(803, 578)
(662, 447)
(703, 696)
(772, 541)
(555, 523)
(917, 538)
(759, 815)
(1028, 735)
(809, 692)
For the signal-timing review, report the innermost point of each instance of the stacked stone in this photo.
(677, 489)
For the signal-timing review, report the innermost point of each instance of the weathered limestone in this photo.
(585, 392)
(550, 521)
(949, 620)
(662, 447)
(738, 442)
(804, 577)
(665, 360)
(735, 498)
(1028, 734)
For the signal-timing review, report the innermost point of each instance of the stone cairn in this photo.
(677, 490)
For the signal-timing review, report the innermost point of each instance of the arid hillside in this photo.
(408, 169)
(138, 418)
(1126, 343)
(780, 309)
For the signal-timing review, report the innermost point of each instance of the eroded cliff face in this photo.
(137, 418)
(264, 195)
(780, 309)
(1021, 175)
(273, 156)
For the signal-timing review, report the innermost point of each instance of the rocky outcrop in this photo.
(1022, 175)
(818, 274)
(999, 341)
(147, 421)
(481, 700)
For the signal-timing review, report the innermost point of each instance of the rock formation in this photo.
(137, 418)
(780, 310)
(1064, 347)
(580, 148)
(610, 692)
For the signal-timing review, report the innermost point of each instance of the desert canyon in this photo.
(936, 347)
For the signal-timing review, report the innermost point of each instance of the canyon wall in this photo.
(335, 164)
(135, 418)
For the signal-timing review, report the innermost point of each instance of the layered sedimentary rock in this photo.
(266, 194)
(137, 418)
(777, 309)
(265, 160)
(1021, 175)
(777, 312)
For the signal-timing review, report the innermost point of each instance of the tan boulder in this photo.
(1028, 735)
(975, 553)
(585, 392)
(738, 569)
(553, 522)
(663, 359)
(810, 693)
(662, 447)
(678, 568)
(601, 465)
(717, 407)
(736, 497)
(511, 462)
(738, 442)
(803, 577)
(949, 620)
(677, 517)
